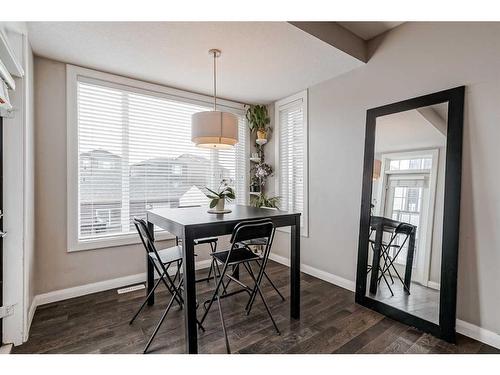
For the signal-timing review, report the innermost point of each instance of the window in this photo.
(410, 164)
(130, 150)
(292, 156)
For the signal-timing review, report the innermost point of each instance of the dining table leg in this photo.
(295, 269)
(191, 333)
(376, 258)
(409, 260)
(150, 272)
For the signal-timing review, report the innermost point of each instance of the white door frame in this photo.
(424, 256)
(17, 207)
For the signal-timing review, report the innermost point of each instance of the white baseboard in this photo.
(31, 314)
(462, 327)
(6, 348)
(323, 275)
(478, 333)
(77, 291)
(434, 285)
(100, 286)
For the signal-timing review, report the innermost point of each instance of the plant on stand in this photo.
(262, 200)
(258, 120)
(218, 198)
(261, 173)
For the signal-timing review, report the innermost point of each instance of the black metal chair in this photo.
(405, 230)
(258, 243)
(161, 261)
(240, 255)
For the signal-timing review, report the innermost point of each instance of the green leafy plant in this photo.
(258, 118)
(262, 200)
(225, 192)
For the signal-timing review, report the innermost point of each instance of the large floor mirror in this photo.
(408, 241)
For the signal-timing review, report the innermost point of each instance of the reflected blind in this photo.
(291, 171)
(135, 153)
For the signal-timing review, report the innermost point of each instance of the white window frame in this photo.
(73, 74)
(303, 95)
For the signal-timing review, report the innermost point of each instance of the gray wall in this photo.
(414, 59)
(55, 267)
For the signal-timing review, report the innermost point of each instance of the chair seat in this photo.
(238, 255)
(168, 255)
(255, 241)
(384, 243)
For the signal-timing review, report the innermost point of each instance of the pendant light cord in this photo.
(215, 81)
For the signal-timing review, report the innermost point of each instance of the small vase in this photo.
(220, 205)
(261, 134)
(255, 188)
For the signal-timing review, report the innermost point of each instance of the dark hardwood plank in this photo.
(365, 337)
(330, 323)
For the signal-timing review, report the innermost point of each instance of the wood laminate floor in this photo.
(331, 323)
(422, 302)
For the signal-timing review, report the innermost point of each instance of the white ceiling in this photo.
(408, 130)
(369, 30)
(261, 61)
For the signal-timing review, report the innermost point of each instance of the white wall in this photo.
(414, 59)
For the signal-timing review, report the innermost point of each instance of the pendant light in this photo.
(214, 129)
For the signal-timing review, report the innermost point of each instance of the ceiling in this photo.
(261, 61)
(369, 30)
(409, 130)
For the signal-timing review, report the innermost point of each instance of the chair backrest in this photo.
(142, 229)
(148, 242)
(253, 230)
(250, 230)
(405, 228)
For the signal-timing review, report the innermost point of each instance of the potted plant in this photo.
(258, 120)
(263, 201)
(218, 199)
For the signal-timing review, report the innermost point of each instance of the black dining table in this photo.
(193, 223)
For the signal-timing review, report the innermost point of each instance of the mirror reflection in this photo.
(404, 265)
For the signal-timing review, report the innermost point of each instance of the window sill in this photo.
(118, 241)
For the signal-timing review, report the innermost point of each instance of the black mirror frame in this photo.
(451, 218)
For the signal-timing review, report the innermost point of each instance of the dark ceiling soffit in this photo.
(337, 36)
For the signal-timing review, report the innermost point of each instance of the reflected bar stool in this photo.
(405, 230)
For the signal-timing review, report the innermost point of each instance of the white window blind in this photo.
(135, 153)
(291, 118)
